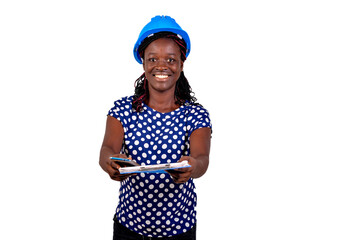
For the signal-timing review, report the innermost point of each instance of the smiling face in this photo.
(162, 65)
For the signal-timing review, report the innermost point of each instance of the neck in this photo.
(163, 103)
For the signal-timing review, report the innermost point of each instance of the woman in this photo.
(160, 123)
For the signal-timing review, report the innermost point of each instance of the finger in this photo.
(183, 170)
(184, 158)
(113, 165)
(179, 178)
(175, 175)
(175, 180)
(122, 177)
(116, 175)
(179, 170)
(113, 170)
(115, 178)
(184, 177)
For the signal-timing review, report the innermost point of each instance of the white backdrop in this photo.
(281, 82)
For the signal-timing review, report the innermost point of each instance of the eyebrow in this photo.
(151, 53)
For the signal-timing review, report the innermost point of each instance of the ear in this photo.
(143, 63)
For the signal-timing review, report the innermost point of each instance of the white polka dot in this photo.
(149, 202)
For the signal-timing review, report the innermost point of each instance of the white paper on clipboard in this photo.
(154, 168)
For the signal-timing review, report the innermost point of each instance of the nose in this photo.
(161, 65)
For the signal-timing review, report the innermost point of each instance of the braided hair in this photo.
(183, 92)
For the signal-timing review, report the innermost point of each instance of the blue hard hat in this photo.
(160, 24)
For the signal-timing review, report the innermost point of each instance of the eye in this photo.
(152, 60)
(171, 60)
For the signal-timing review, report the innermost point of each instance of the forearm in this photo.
(200, 151)
(105, 154)
(202, 163)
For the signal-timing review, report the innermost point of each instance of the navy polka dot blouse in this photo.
(151, 204)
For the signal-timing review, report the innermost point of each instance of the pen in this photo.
(123, 159)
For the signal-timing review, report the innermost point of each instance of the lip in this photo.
(161, 76)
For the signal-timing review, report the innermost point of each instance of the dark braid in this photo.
(183, 91)
(141, 92)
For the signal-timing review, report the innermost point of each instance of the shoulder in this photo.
(197, 117)
(197, 110)
(124, 101)
(122, 107)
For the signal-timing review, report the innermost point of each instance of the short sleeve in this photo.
(198, 117)
(122, 110)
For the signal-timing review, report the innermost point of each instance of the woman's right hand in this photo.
(112, 168)
(113, 141)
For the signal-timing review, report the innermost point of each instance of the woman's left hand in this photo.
(182, 175)
(199, 159)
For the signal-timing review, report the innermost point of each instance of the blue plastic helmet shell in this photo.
(160, 24)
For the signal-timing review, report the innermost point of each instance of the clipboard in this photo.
(154, 168)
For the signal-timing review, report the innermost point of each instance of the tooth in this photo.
(161, 76)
